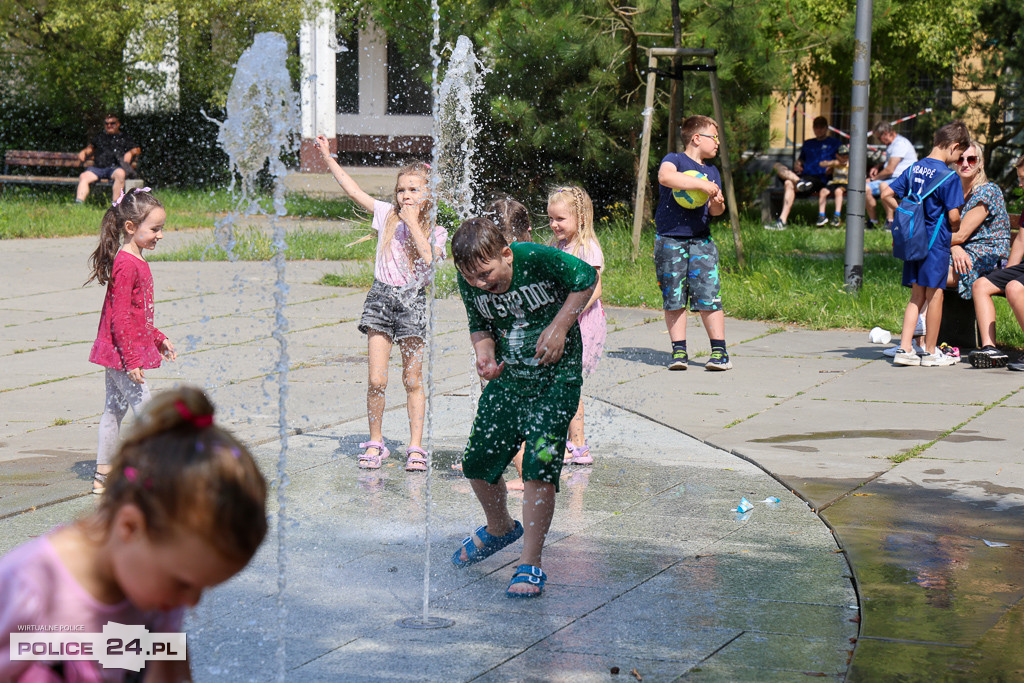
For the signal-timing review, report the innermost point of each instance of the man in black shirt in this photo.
(112, 153)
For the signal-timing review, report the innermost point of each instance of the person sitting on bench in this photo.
(808, 175)
(112, 152)
(1008, 281)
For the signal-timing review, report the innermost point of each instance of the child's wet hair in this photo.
(184, 472)
(510, 217)
(133, 206)
(477, 240)
(955, 133)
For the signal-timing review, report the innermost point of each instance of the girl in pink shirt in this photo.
(126, 341)
(396, 306)
(571, 214)
(184, 509)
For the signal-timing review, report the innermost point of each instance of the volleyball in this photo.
(691, 199)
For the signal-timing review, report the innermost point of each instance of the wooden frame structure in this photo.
(653, 53)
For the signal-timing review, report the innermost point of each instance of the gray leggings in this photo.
(121, 393)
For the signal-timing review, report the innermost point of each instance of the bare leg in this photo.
(676, 323)
(839, 200)
(985, 310)
(576, 426)
(917, 299)
(517, 462)
(714, 323)
(412, 376)
(1015, 297)
(933, 317)
(379, 352)
(538, 510)
(117, 182)
(869, 204)
(85, 179)
(788, 196)
(822, 199)
(494, 500)
(785, 173)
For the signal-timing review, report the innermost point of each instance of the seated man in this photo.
(1008, 281)
(112, 153)
(901, 155)
(808, 175)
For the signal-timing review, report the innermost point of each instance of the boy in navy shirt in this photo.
(685, 258)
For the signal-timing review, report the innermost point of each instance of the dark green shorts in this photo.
(505, 418)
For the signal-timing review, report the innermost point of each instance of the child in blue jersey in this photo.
(685, 258)
(927, 277)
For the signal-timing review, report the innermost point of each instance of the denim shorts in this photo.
(103, 173)
(398, 312)
(687, 270)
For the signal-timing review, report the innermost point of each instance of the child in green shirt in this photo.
(522, 301)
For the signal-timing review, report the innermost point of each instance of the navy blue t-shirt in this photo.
(815, 151)
(921, 177)
(673, 220)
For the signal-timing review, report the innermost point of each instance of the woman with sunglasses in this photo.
(983, 241)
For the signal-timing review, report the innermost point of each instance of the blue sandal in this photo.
(527, 573)
(490, 545)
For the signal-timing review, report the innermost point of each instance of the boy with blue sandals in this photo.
(522, 301)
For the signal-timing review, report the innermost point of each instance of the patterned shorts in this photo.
(687, 270)
(395, 311)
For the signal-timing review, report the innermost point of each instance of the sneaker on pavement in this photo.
(822, 222)
(804, 186)
(679, 360)
(719, 361)
(937, 360)
(836, 221)
(1017, 365)
(919, 350)
(891, 351)
(777, 225)
(902, 357)
(987, 357)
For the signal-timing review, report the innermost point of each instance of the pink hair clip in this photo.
(132, 475)
(134, 189)
(197, 421)
(427, 165)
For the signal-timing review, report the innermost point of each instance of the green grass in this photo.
(795, 276)
(29, 211)
(253, 244)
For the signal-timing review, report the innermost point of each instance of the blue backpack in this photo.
(910, 240)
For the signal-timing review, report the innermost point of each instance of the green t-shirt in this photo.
(542, 278)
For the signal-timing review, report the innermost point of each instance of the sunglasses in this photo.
(705, 135)
(971, 160)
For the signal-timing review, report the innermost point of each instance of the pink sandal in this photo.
(580, 454)
(415, 463)
(368, 461)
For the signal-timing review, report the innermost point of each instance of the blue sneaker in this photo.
(679, 360)
(719, 360)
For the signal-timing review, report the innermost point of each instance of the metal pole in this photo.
(854, 269)
(645, 152)
(723, 150)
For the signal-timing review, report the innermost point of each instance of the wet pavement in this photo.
(914, 469)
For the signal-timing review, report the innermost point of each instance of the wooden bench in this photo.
(35, 159)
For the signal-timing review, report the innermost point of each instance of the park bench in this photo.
(49, 160)
(771, 200)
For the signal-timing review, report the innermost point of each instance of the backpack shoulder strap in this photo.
(938, 184)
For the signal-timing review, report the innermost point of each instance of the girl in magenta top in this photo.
(184, 510)
(396, 305)
(572, 219)
(127, 342)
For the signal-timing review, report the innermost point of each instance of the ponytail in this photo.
(133, 206)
